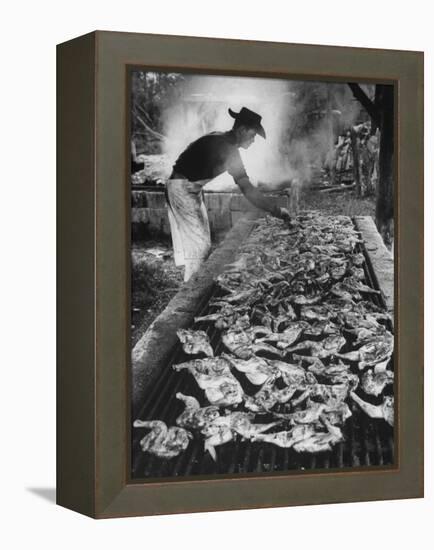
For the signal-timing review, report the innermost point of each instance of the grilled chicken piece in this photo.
(207, 371)
(215, 378)
(309, 415)
(373, 352)
(288, 336)
(355, 319)
(287, 439)
(316, 313)
(222, 430)
(217, 433)
(323, 278)
(227, 316)
(285, 314)
(162, 441)
(246, 297)
(194, 342)
(242, 343)
(336, 373)
(268, 396)
(329, 249)
(357, 272)
(385, 410)
(320, 441)
(339, 306)
(337, 415)
(240, 281)
(262, 314)
(374, 381)
(232, 281)
(321, 328)
(357, 259)
(226, 393)
(256, 369)
(365, 334)
(293, 375)
(356, 284)
(329, 346)
(330, 394)
(371, 309)
(194, 416)
(242, 424)
(344, 292)
(303, 300)
(337, 272)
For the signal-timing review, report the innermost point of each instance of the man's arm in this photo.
(260, 200)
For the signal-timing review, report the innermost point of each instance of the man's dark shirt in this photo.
(210, 156)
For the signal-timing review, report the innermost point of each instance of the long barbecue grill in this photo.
(367, 442)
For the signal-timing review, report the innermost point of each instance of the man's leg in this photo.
(189, 226)
(197, 248)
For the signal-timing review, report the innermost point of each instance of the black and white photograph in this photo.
(262, 275)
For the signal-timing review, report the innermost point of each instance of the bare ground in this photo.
(155, 280)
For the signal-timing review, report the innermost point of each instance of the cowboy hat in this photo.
(249, 118)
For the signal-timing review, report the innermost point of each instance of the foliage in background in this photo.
(151, 94)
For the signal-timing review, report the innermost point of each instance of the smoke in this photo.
(202, 107)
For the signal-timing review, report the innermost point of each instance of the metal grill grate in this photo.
(367, 442)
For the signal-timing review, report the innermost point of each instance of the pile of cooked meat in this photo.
(297, 324)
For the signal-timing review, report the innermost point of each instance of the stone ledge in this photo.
(380, 258)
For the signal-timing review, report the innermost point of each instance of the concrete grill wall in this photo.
(149, 211)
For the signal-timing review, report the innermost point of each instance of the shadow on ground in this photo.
(47, 493)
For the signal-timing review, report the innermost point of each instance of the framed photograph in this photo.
(240, 274)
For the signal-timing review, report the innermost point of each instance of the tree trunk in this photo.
(381, 112)
(385, 195)
(356, 162)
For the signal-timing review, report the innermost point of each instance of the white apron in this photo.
(189, 224)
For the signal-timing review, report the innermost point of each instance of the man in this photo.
(203, 160)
